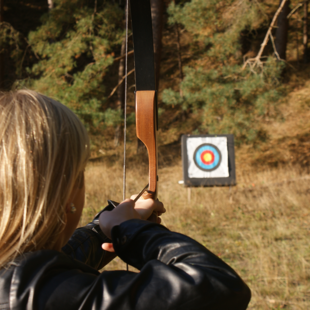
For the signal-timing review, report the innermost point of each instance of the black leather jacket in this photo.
(176, 272)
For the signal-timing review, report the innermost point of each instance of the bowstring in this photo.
(125, 106)
(125, 101)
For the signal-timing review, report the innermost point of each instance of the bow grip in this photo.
(146, 131)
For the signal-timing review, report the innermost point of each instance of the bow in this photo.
(145, 94)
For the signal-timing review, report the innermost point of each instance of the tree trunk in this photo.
(305, 33)
(50, 4)
(178, 43)
(120, 93)
(157, 7)
(1, 53)
(297, 47)
(282, 30)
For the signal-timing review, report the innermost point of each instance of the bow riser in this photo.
(146, 132)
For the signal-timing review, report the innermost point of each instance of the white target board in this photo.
(207, 157)
(208, 160)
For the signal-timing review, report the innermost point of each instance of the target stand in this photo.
(208, 160)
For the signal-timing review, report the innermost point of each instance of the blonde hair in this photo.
(43, 151)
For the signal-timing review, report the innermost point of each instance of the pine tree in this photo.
(224, 96)
(75, 44)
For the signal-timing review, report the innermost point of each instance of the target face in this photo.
(207, 157)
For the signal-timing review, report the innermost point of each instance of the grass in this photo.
(261, 227)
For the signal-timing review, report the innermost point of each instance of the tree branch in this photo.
(294, 10)
(256, 61)
(123, 56)
(120, 82)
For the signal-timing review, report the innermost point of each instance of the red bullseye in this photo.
(207, 157)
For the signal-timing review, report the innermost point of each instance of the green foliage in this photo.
(75, 44)
(113, 117)
(226, 97)
(11, 40)
(216, 23)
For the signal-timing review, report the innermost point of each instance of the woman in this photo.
(44, 149)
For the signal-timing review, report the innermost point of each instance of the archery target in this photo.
(207, 157)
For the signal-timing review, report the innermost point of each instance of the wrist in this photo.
(106, 224)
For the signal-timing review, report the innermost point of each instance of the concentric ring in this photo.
(207, 157)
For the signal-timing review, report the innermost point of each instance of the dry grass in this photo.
(261, 227)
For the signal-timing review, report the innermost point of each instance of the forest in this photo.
(238, 67)
(212, 69)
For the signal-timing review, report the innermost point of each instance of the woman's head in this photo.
(43, 152)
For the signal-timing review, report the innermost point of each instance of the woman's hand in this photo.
(144, 209)
(149, 209)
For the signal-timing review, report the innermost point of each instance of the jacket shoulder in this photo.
(36, 272)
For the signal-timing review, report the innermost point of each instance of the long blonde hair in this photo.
(43, 150)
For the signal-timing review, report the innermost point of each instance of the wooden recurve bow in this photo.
(145, 94)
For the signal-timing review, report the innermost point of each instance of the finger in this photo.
(142, 198)
(145, 204)
(159, 206)
(108, 247)
(128, 202)
(153, 218)
(158, 220)
(133, 197)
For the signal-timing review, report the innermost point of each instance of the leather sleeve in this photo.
(176, 272)
(85, 244)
